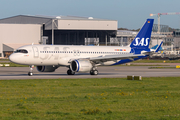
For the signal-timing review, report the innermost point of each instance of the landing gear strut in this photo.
(94, 71)
(70, 72)
(30, 73)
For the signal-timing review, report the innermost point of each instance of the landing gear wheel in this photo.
(30, 73)
(91, 72)
(94, 72)
(70, 72)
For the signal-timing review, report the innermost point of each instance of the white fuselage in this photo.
(62, 54)
(47, 58)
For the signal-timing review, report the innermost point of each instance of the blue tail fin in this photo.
(142, 40)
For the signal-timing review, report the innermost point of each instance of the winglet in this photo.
(157, 49)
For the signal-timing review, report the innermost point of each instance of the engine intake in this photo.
(46, 68)
(80, 66)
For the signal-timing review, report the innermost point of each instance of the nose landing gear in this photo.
(30, 73)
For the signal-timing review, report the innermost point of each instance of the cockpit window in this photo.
(21, 51)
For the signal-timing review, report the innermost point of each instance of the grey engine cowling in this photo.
(46, 68)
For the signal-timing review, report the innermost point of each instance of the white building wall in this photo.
(155, 41)
(86, 25)
(19, 34)
(1, 48)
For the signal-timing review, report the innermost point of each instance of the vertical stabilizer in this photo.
(142, 40)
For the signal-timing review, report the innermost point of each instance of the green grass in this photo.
(13, 64)
(141, 65)
(162, 68)
(138, 61)
(106, 98)
(156, 61)
(4, 59)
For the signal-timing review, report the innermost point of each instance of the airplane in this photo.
(47, 58)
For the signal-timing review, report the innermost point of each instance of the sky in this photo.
(130, 14)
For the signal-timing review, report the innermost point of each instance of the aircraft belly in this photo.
(48, 63)
(64, 61)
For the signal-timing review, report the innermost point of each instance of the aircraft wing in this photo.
(106, 58)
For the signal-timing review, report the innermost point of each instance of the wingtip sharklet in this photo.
(157, 49)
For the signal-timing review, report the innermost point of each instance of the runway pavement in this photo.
(7, 73)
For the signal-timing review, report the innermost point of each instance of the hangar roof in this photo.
(13, 46)
(71, 18)
(64, 22)
(130, 33)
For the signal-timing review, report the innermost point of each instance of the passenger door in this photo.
(35, 51)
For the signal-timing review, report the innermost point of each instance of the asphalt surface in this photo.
(7, 73)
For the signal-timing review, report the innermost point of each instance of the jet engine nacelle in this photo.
(81, 66)
(46, 68)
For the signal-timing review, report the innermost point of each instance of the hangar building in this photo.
(62, 30)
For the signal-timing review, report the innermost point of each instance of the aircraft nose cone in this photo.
(12, 58)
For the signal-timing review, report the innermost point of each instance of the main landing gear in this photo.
(94, 71)
(30, 73)
(70, 72)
